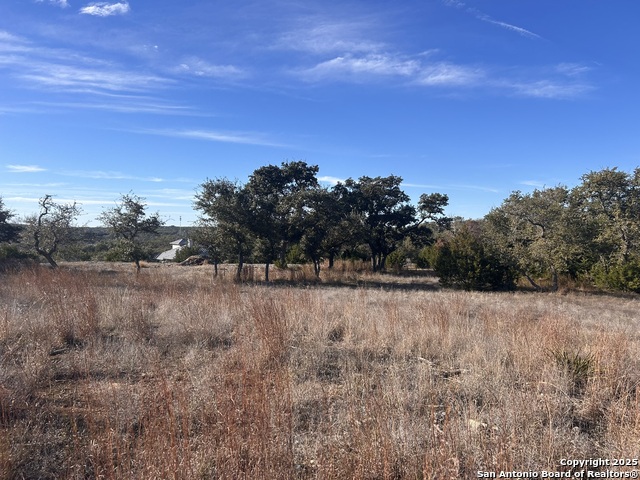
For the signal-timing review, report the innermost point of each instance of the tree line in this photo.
(589, 234)
(281, 214)
(282, 210)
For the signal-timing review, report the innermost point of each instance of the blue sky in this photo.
(472, 98)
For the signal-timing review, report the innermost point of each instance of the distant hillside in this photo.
(93, 243)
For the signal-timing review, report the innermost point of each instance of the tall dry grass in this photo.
(174, 374)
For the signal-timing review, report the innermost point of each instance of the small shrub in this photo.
(579, 368)
(295, 255)
(186, 252)
(624, 276)
(397, 260)
(465, 261)
(424, 257)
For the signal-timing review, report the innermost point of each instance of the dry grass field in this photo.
(175, 375)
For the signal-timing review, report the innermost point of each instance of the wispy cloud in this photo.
(519, 30)
(247, 138)
(321, 35)
(127, 104)
(549, 89)
(572, 69)
(107, 175)
(81, 77)
(103, 9)
(351, 67)
(486, 18)
(59, 3)
(410, 70)
(559, 82)
(448, 74)
(25, 168)
(36, 65)
(201, 68)
(533, 183)
(420, 185)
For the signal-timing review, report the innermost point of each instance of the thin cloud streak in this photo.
(533, 183)
(550, 89)
(65, 70)
(486, 18)
(25, 168)
(247, 138)
(355, 68)
(519, 30)
(201, 68)
(107, 175)
(129, 107)
(59, 3)
(67, 77)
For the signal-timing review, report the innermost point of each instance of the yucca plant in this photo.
(578, 367)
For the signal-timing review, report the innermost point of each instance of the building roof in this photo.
(168, 254)
(176, 245)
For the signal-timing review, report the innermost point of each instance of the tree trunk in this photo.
(137, 262)
(537, 287)
(377, 261)
(554, 280)
(215, 269)
(266, 272)
(240, 265)
(331, 257)
(316, 268)
(49, 258)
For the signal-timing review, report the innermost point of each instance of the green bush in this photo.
(396, 260)
(624, 276)
(11, 252)
(186, 252)
(127, 251)
(465, 261)
(424, 257)
(295, 255)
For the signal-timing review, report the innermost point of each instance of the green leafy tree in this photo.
(384, 211)
(276, 194)
(8, 231)
(539, 233)
(467, 260)
(209, 238)
(226, 219)
(127, 220)
(609, 202)
(386, 215)
(324, 227)
(50, 228)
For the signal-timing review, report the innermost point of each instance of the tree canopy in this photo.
(127, 220)
(8, 231)
(51, 227)
(281, 207)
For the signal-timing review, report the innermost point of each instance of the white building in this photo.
(170, 255)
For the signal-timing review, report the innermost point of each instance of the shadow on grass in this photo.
(366, 284)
